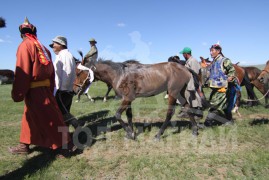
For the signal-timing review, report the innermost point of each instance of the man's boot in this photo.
(229, 118)
(20, 149)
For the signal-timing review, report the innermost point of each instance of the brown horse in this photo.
(82, 82)
(2, 22)
(135, 81)
(264, 79)
(264, 75)
(253, 75)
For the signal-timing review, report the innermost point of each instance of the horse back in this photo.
(153, 79)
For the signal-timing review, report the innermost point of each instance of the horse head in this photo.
(264, 76)
(205, 70)
(177, 60)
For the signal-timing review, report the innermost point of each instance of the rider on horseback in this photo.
(89, 59)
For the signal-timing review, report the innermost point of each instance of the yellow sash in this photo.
(44, 83)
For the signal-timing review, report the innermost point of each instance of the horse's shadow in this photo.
(259, 121)
(92, 128)
(99, 98)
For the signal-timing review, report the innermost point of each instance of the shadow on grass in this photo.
(97, 123)
(31, 166)
(92, 117)
(98, 98)
(259, 121)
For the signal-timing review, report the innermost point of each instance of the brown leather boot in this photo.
(20, 149)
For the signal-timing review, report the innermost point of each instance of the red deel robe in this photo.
(42, 121)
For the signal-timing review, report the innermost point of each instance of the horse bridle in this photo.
(85, 80)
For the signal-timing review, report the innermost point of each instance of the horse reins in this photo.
(250, 100)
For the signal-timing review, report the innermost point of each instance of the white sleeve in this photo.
(91, 75)
(84, 68)
(58, 65)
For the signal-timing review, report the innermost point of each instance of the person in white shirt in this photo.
(65, 74)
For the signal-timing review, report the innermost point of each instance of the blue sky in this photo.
(147, 30)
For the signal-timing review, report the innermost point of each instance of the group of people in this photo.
(47, 90)
(221, 81)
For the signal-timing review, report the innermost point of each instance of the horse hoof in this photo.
(130, 136)
(157, 138)
(195, 133)
(201, 126)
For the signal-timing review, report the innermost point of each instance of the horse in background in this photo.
(205, 71)
(253, 75)
(264, 79)
(82, 82)
(176, 59)
(6, 76)
(2, 22)
(142, 80)
(264, 75)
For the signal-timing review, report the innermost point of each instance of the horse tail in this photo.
(249, 88)
(80, 53)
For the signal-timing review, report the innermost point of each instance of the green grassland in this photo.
(240, 151)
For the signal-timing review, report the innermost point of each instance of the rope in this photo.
(259, 98)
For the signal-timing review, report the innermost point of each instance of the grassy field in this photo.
(240, 151)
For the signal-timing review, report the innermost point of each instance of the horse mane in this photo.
(2, 22)
(118, 66)
(131, 61)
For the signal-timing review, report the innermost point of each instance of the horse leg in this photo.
(79, 94)
(108, 91)
(124, 105)
(129, 115)
(169, 114)
(89, 97)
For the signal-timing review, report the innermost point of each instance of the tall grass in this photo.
(235, 152)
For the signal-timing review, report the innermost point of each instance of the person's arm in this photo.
(229, 68)
(58, 66)
(23, 74)
(91, 52)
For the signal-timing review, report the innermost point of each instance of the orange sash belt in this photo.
(222, 90)
(44, 83)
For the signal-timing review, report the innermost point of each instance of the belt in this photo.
(44, 83)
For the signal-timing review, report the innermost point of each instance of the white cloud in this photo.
(140, 51)
(4, 41)
(121, 24)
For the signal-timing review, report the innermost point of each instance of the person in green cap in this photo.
(223, 84)
(191, 94)
(91, 57)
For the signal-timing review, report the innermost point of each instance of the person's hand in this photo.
(230, 78)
